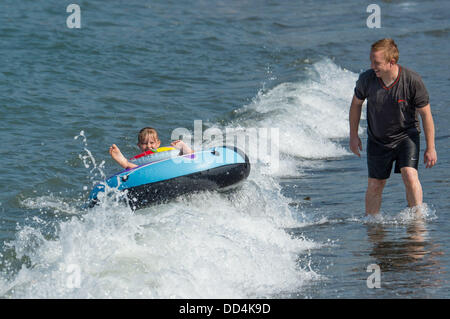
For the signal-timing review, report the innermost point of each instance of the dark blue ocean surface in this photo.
(298, 231)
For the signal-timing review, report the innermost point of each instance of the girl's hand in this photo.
(178, 144)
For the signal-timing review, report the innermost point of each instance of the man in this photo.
(395, 95)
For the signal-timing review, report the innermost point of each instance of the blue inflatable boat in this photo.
(165, 179)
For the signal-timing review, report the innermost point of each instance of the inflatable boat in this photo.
(164, 175)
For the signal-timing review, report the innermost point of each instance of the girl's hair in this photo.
(389, 47)
(145, 132)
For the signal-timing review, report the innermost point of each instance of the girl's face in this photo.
(149, 142)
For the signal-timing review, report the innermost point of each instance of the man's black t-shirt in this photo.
(391, 111)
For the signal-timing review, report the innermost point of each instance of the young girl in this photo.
(147, 140)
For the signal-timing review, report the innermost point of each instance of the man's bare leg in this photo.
(413, 188)
(373, 195)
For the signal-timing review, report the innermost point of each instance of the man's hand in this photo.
(355, 145)
(430, 157)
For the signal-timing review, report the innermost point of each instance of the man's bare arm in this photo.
(354, 118)
(430, 155)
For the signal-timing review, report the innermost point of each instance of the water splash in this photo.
(406, 216)
(88, 159)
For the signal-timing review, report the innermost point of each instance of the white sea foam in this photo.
(201, 246)
(311, 116)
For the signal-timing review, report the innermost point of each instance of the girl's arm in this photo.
(117, 155)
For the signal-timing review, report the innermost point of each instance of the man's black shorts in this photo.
(380, 158)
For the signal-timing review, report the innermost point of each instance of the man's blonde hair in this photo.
(146, 131)
(389, 47)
